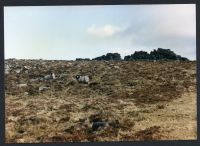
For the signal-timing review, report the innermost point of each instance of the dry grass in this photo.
(138, 101)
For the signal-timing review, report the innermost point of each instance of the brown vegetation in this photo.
(136, 101)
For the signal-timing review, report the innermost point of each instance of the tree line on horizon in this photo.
(159, 54)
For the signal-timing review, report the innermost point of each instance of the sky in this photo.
(70, 32)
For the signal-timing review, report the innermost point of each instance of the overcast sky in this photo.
(69, 32)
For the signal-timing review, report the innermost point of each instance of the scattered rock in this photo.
(97, 125)
(22, 85)
(18, 70)
(50, 77)
(83, 79)
(27, 67)
(12, 118)
(43, 88)
(21, 140)
(36, 79)
(116, 67)
(7, 69)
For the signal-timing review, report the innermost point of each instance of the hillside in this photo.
(133, 100)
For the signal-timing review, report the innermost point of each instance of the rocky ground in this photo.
(124, 101)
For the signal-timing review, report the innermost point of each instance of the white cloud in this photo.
(104, 31)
